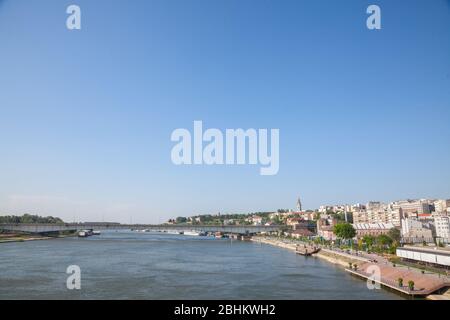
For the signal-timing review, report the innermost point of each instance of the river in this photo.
(130, 265)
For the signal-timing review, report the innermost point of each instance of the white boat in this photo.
(85, 233)
(191, 233)
(96, 233)
(82, 234)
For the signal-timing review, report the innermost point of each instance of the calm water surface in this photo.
(127, 265)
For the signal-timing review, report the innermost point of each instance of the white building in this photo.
(378, 214)
(375, 206)
(228, 222)
(257, 220)
(432, 256)
(414, 230)
(335, 208)
(442, 225)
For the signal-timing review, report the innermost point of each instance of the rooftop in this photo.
(373, 226)
(439, 251)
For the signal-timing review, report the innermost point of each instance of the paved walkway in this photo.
(424, 284)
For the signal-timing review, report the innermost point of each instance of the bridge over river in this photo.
(47, 228)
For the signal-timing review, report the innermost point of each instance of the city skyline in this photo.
(86, 115)
(322, 208)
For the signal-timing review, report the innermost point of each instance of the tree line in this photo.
(28, 218)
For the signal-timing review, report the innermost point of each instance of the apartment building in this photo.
(412, 208)
(414, 230)
(442, 206)
(378, 214)
(442, 225)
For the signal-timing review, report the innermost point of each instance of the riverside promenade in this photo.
(333, 256)
(425, 284)
(275, 242)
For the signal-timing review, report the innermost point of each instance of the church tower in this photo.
(299, 205)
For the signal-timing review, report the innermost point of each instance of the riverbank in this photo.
(5, 238)
(275, 242)
(339, 258)
(344, 260)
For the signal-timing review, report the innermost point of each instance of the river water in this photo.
(130, 265)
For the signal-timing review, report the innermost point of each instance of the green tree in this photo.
(28, 218)
(368, 240)
(384, 240)
(181, 219)
(277, 220)
(344, 231)
(395, 235)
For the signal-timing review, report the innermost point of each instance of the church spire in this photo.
(299, 205)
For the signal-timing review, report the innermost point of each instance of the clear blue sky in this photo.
(86, 116)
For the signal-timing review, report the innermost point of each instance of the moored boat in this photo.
(82, 234)
(191, 233)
